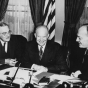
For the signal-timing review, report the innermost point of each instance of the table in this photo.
(23, 75)
(61, 81)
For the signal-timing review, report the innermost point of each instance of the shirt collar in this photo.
(2, 42)
(43, 47)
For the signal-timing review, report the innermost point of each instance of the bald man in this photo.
(82, 39)
(53, 57)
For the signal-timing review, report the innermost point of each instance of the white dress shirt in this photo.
(43, 47)
(6, 45)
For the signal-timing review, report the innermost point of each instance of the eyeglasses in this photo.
(6, 33)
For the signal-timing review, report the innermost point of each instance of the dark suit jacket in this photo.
(76, 58)
(53, 57)
(84, 68)
(16, 48)
(77, 62)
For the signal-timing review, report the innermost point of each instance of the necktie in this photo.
(85, 62)
(85, 55)
(40, 53)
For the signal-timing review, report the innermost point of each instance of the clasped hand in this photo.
(10, 62)
(39, 68)
(76, 74)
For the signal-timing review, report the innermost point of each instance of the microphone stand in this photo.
(29, 85)
(14, 75)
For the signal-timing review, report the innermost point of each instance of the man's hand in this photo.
(39, 68)
(10, 62)
(76, 74)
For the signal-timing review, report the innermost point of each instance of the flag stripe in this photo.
(53, 13)
(53, 20)
(49, 17)
(52, 28)
(52, 35)
(46, 9)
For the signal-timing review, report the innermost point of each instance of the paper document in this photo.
(62, 78)
(22, 75)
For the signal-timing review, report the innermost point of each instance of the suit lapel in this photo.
(35, 50)
(10, 48)
(0, 48)
(46, 53)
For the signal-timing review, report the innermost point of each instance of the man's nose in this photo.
(77, 39)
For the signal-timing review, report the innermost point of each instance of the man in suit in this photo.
(11, 49)
(82, 39)
(52, 57)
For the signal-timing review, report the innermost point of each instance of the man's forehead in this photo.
(82, 30)
(4, 29)
(42, 30)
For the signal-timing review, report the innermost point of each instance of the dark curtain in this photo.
(73, 12)
(37, 8)
(3, 8)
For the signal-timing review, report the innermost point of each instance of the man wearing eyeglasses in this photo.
(10, 47)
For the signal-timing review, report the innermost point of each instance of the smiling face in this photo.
(4, 33)
(82, 37)
(41, 35)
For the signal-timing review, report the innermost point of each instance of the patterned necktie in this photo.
(40, 53)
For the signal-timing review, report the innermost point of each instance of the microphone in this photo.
(14, 75)
(29, 85)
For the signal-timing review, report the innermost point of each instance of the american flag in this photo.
(49, 17)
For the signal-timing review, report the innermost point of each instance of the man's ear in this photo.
(35, 35)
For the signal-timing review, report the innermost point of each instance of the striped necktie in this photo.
(40, 53)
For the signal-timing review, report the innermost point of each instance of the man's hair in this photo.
(2, 24)
(86, 24)
(38, 26)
